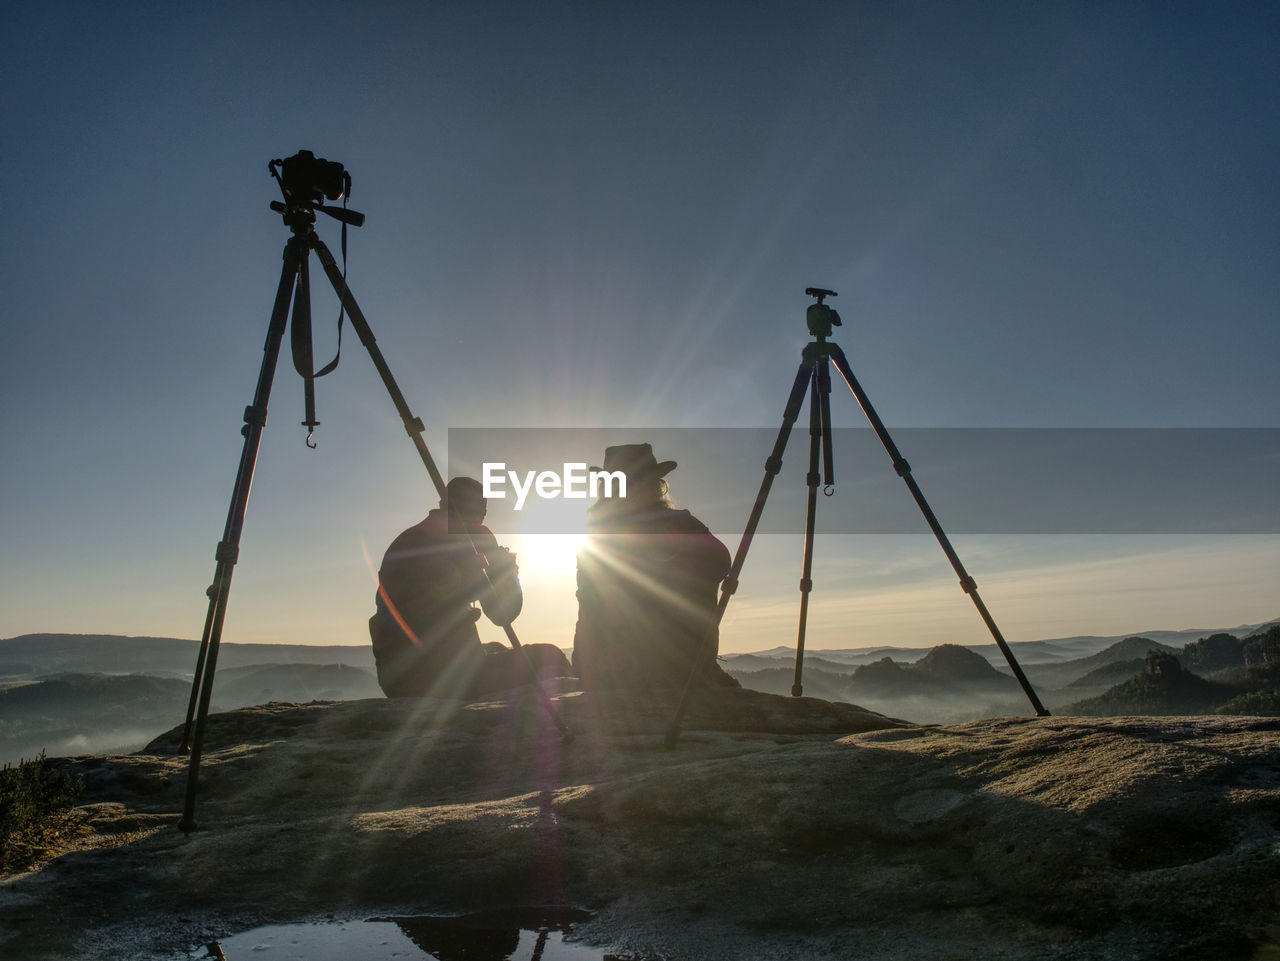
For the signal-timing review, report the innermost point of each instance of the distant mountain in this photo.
(74, 713)
(952, 682)
(44, 654)
(1163, 687)
(886, 678)
(752, 662)
(1063, 675)
(854, 657)
(785, 657)
(1225, 654)
(44, 706)
(1108, 675)
(1247, 680)
(956, 664)
(947, 670)
(946, 683)
(1217, 652)
(778, 680)
(32, 655)
(81, 698)
(1263, 703)
(260, 683)
(844, 660)
(1041, 652)
(82, 713)
(1126, 650)
(1084, 645)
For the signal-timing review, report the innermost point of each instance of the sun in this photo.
(547, 555)
(552, 533)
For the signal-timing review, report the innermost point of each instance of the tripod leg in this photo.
(824, 397)
(903, 469)
(414, 427)
(279, 318)
(730, 584)
(816, 432)
(198, 677)
(255, 417)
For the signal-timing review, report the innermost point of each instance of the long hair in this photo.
(607, 507)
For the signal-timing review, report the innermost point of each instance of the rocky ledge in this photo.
(777, 828)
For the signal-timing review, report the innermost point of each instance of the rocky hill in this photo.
(1108, 675)
(949, 682)
(778, 828)
(954, 664)
(1244, 679)
(815, 682)
(32, 655)
(1162, 687)
(1055, 676)
(75, 713)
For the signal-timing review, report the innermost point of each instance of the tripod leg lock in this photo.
(256, 416)
(901, 467)
(773, 465)
(414, 427)
(806, 585)
(227, 552)
(729, 586)
(968, 584)
(812, 478)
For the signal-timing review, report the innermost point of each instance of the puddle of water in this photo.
(497, 936)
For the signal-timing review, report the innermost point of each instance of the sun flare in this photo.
(547, 554)
(552, 533)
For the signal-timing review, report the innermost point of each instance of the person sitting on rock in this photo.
(424, 633)
(647, 584)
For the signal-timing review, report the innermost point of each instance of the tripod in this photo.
(305, 181)
(814, 377)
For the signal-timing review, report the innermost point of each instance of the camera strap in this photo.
(300, 341)
(300, 332)
(342, 308)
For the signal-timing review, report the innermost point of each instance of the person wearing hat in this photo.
(647, 584)
(423, 631)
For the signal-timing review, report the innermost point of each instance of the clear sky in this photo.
(605, 215)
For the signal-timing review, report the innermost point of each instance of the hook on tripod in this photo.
(308, 440)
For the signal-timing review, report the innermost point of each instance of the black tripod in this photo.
(814, 376)
(305, 182)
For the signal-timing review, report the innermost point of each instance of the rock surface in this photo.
(778, 828)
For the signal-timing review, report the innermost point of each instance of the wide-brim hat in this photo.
(635, 460)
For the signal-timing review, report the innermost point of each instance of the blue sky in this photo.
(605, 215)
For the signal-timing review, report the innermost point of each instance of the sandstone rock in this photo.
(779, 827)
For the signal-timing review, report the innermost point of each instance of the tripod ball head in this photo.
(819, 316)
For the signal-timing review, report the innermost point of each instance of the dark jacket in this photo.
(424, 624)
(647, 593)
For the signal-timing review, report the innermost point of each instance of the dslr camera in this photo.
(308, 180)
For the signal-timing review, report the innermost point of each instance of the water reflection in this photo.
(536, 934)
(497, 936)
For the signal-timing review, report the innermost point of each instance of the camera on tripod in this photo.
(307, 179)
(819, 316)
